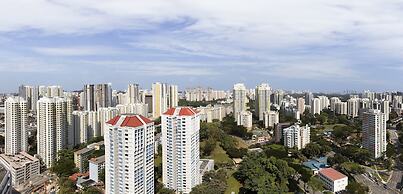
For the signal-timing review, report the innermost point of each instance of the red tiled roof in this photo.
(114, 120)
(332, 174)
(170, 111)
(134, 121)
(186, 111)
(145, 119)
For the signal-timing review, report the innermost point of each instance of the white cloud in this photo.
(77, 51)
(273, 34)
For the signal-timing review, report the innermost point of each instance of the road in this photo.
(395, 181)
(374, 187)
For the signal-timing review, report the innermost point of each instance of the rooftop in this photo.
(82, 151)
(332, 174)
(129, 120)
(98, 160)
(181, 111)
(18, 160)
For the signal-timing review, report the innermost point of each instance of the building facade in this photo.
(262, 100)
(296, 136)
(15, 117)
(374, 132)
(240, 99)
(22, 167)
(180, 149)
(52, 128)
(129, 155)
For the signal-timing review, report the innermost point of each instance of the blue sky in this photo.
(316, 45)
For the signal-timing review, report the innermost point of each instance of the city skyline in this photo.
(317, 46)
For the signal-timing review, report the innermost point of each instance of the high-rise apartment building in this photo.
(16, 136)
(133, 94)
(97, 96)
(341, 108)
(240, 100)
(86, 126)
(271, 118)
(316, 106)
(129, 155)
(385, 108)
(104, 115)
(308, 98)
(52, 128)
(353, 106)
(164, 96)
(374, 132)
(296, 136)
(301, 105)
(180, 149)
(333, 101)
(262, 100)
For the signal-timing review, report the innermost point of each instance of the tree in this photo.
(315, 150)
(262, 174)
(236, 153)
(213, 183)
(352, 168)
(66, 186)
(337, 159)
(316, 184)
(390, 150)
(208, 147)
(102, 176)
(166, 191)
(91, 190)
(356, 188)
(64, 166)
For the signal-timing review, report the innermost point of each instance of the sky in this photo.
(316, 45)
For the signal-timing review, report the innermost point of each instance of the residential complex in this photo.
(180, 149)
(164, 96)
(262, 100)
(52, 128)
(16, 136)
(296, 136)
(129, 153)
(239, 100)
(374, 132)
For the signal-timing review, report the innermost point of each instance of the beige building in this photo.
(22, 167)
(262, 100)
(270, 118)
(245, 119)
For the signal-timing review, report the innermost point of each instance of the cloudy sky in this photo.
(318, 45)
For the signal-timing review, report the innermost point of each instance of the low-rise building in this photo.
(81, 158)
(333, 180)
(96, 166)
(316, 164)
(22, 167)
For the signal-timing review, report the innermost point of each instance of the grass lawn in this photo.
(331, 127)
(219, 156)
(233, 184)
(241, 143)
